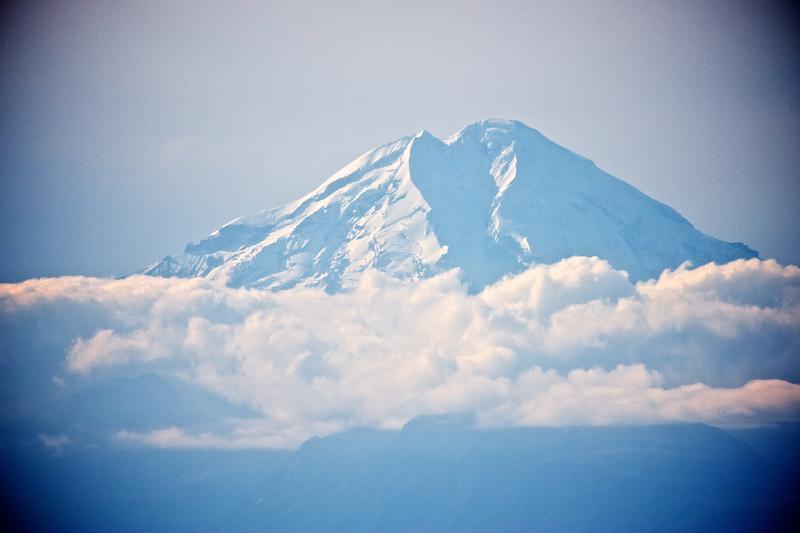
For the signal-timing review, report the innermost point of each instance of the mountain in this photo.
(438, 474)
(492, 199)
(441, 474)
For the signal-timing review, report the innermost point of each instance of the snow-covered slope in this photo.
(492, 199)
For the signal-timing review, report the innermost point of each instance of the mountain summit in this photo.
(492, 199)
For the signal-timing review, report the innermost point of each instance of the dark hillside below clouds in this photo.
(435, 474)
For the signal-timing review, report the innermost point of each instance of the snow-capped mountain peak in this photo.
(490, 200)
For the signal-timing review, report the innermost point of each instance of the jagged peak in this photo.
(478, 130)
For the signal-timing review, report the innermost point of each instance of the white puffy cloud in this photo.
(569, 343)
(632, 394)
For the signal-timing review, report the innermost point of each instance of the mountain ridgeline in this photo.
(491, 200)
(437, 474)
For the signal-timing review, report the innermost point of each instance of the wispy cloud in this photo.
(56, 443)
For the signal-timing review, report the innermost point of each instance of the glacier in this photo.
(491, 200)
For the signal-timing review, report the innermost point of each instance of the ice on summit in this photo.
(492, 199)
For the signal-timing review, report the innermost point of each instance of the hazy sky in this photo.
(130, 128)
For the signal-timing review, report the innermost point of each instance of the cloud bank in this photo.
(570, 343)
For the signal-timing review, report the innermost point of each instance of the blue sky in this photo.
(128, 129)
